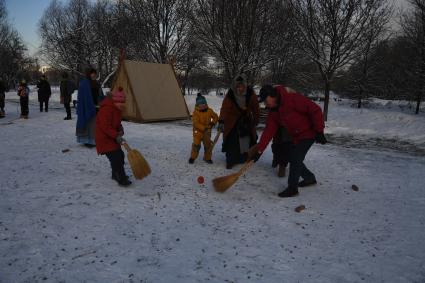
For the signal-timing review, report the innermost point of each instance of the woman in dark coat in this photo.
(239, 117)
(44, 93)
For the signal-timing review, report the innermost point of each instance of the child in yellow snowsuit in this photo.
(204, 118)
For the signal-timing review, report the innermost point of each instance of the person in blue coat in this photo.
(86, 109)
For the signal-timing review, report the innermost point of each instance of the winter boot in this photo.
(67, 118)
(229, 166)
(209, 161)
(282, 171)
(306, 183)
(191, 160)
(124, 182)
(289, 192)
(274, 163)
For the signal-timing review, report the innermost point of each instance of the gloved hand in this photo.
(120, 140)
(121, 131)
(220, 126)
(254, 153)
(320, 138)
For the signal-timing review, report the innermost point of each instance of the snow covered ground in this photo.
(62, 219)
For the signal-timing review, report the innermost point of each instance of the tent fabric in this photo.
(153, 93)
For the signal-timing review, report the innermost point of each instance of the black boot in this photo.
(191, 160)
(229, 166)
(289, 192)
(306, 183)
(209, 161)
(124, 182)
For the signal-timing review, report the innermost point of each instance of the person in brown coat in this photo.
(238, 119)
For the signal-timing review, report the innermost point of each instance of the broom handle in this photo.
(245, 167)
(216, 138)
(126, 146)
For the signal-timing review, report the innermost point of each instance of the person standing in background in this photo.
(67, 88)
(2, 98)
(44, 93)
(23, 93)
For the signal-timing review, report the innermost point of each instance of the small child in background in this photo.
(204, 118)
(109, 134)
(23, 93)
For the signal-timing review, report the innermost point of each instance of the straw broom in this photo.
(222, 184)
(138, 163)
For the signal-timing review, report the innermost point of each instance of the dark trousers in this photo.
(116, 158)
(2, 98)
(46, 106)
(68, 109)
(297, 167)
(24, 106)
(232, 148)
(281, 153)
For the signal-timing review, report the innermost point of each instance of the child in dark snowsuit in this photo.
(23, 93)
(109, 135)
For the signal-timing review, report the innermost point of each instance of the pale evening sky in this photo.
(25, 15)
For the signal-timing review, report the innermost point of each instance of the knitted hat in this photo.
(200, 99)
(119, 95)
(265, 91)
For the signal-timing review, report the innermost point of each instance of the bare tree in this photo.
(364, 67)
(12, 50)
(162, 26)
(238, 34)
(330, 33)
(66, 38)
(413, 24)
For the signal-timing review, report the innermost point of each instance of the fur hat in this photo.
(240, 79)
(200, 99)
(119, 95)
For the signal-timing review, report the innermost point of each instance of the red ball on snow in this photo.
(201, 180)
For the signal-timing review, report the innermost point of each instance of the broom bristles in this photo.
(222, 184)
(138, 163)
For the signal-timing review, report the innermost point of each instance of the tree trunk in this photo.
(418, 105)
(326, 105)
(359, 102)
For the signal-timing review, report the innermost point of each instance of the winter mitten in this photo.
(320, 138)
(120, 140)
(254, 153)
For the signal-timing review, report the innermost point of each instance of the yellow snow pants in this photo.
(198, 138)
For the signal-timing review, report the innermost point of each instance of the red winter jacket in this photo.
(108, 125)
(302, 118)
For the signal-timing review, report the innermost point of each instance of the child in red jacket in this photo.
(109, 134)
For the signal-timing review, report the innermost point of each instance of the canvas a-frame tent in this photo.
(152, 92)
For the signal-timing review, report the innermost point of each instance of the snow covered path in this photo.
(62, 219)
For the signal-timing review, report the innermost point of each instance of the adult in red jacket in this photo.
(109, 135)
(303, 120)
